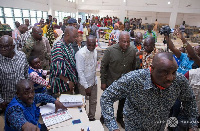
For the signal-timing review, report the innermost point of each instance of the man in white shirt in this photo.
(86, 61)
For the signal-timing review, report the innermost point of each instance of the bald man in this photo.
(24, 34)
(150, 94)
(37, 45)
(22, 114)
(118, 59)
(13, 67)
(86, 63)
(63, 76)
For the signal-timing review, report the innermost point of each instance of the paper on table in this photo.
(70, 98)
(49, 108)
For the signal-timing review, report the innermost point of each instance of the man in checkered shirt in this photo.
(13, 67)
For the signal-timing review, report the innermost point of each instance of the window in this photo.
(39, 14)
(1, 12)
(26, 13)
(45, 15)
(33, 13)
(19, 20)
(10, 21)
(8, 12)
(1, 20)
(17, 13)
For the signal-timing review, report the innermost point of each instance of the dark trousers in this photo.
(120, 109)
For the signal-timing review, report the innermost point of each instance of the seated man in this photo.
(22, 113)
(36, 75)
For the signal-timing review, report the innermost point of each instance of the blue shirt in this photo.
(185, 64)
(15, 114)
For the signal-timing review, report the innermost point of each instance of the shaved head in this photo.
(71, 34)
(36, 28)
(37, 33)
(163, 69)
(149, 44)
(138, 38)
(23, 85)
(124, 40)
(23, 28)
(7, 46)
(122, 34)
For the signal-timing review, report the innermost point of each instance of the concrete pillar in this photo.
(174, 12)
(123, 12)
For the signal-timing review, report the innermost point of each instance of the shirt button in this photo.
(124, 65)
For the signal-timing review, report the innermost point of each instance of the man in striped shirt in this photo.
(13, 67)
(63, 66)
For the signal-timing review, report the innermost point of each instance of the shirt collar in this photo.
(148, 82)
(14, 57)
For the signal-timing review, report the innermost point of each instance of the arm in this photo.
(37, 79)
(104, 67)
(26, 68)
(80, 66)
(188, 102)
(28, 46)
(171, 46)
(116, 91)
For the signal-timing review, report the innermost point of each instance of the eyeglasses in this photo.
(5, 47)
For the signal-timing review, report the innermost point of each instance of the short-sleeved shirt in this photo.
(185, 63)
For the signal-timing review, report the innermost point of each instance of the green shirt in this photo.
(115, 62)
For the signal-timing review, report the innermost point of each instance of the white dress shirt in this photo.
(86, 62)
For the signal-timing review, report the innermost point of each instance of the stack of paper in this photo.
(71, 100)
(50, 117)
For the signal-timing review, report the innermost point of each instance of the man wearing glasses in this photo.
(13, 67)
(37, 45)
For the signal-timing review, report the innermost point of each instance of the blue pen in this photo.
(88, 129)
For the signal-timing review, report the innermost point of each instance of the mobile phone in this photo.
(76, 121)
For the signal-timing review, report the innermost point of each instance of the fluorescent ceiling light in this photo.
(82, 0)
(124, 0)
(169, 2)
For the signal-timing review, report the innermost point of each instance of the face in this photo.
(91, 44)
(6, 46)
(17, 24)
(80, 38)
(127, 25)
(71, 37)
(124, 42)
(27, 93)
(36, 63)
(38, 34)
(197, 50)
(27, 22)
(115, 27)
(75, 25)
(138, 38)
(79, 20)
(164, 72)
(42, 21)
(60, 23)
(149, 28)
(65, 22)
(148, 46)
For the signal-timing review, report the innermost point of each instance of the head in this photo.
(138, 38)
(91, 42)
(55, 20)
(25, 91)
(34, 62)
(72, 22)
(156, 19)
(17, 24)
(132, 34)
(37, 33)
(149, 28)
(7, 46)
(163, 69)
(197, 50)
(27, 22)
(79, 20)
(124, 40)
(84, 25)
(42, 21)
(127, 26)
(23, 28)
(71, 34)
(116, 26)
(50, 17)
(80, 36)
(60, 24)
(183, 22)
(149, 44)
(109, 22)
(65, 22)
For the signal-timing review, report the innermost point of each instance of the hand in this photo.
(88, 91)
(71, 86)
(194, 129)
(103, 86)
(59, 105)
(4, 105)
(140, 53)
(30, 127)
(178, 33)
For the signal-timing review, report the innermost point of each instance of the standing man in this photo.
(150, 94)
(38, 45)
(28, 24)
(117, 60)
(13, 67)
(150, 32)
(86, 62)
(63, 66)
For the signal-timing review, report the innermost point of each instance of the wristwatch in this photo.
(67, 82)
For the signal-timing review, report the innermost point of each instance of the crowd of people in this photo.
(40, 62)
